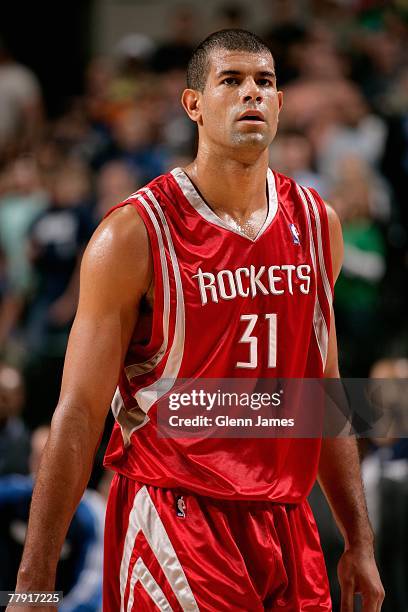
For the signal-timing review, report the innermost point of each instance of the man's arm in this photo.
(340, 479)
(116, 271)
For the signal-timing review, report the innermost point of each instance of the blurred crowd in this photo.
(343, 67)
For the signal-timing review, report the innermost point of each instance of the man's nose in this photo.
(251, 91)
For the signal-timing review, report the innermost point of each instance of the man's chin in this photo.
(251, 139)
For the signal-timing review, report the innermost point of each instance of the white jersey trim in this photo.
(197, 202)
(319, 322)
(322, 264)
(144, 517)
(147, 366)
(149, 395)
(127, 418)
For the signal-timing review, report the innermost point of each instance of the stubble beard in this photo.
(252, 140)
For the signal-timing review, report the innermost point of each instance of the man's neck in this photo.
(229, 186)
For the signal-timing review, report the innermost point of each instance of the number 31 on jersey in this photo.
(252, 341)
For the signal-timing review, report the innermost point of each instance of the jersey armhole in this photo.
(321, 218)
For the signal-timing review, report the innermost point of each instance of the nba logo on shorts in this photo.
(295, 233)
(180, 506)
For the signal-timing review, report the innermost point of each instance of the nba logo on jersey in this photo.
(180, 507)
(295, 233)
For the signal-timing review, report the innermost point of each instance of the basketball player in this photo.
(222, 269)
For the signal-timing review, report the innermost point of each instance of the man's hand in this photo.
(357, 572)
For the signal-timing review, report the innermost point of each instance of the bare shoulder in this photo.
(336, 240)
(119, 252)
(122, 233)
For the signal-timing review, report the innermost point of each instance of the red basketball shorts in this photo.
(171, 550)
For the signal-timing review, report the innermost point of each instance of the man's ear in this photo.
(280, 99)
(191, 101)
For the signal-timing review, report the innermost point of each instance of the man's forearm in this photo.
(63, 475)
(340, 478)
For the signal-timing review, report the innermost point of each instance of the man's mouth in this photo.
(252, 116)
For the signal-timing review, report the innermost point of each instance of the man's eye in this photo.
(265, 82)
(230, 81)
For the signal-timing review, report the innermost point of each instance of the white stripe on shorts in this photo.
(141, 572)
(144, 517)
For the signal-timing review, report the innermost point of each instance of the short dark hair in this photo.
(231, 40)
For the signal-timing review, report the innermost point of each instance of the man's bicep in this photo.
(115, 274)
(336, 241)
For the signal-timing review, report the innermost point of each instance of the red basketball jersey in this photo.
(216, 290)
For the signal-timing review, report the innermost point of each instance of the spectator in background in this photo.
(113, 84)
(56, 238)
(9, 306)
(356, 132)
(311, 98)
(323, 99)
(176, 130)
(3, 296)
(395, 159)
(325, 62)
(284, 37)
(73, 135)
(133, 142)
(21, 109)
(79, 572)
(133, 55)
(97, 95)
(14, 436)
(384, 57)
(358, 289)
(231, 15)
(116, 181)
(24, 197)
(385, 475)
(332, 111)
(292, 154)
(175, 52)
(395, 168)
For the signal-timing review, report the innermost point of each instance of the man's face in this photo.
(240, 104)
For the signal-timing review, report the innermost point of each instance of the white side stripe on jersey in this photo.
(144, 517)
(141, 572)
(129, 420)
(142, 368)
(147, 396)
(117, 403)
(323, 272)
(319, 322)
